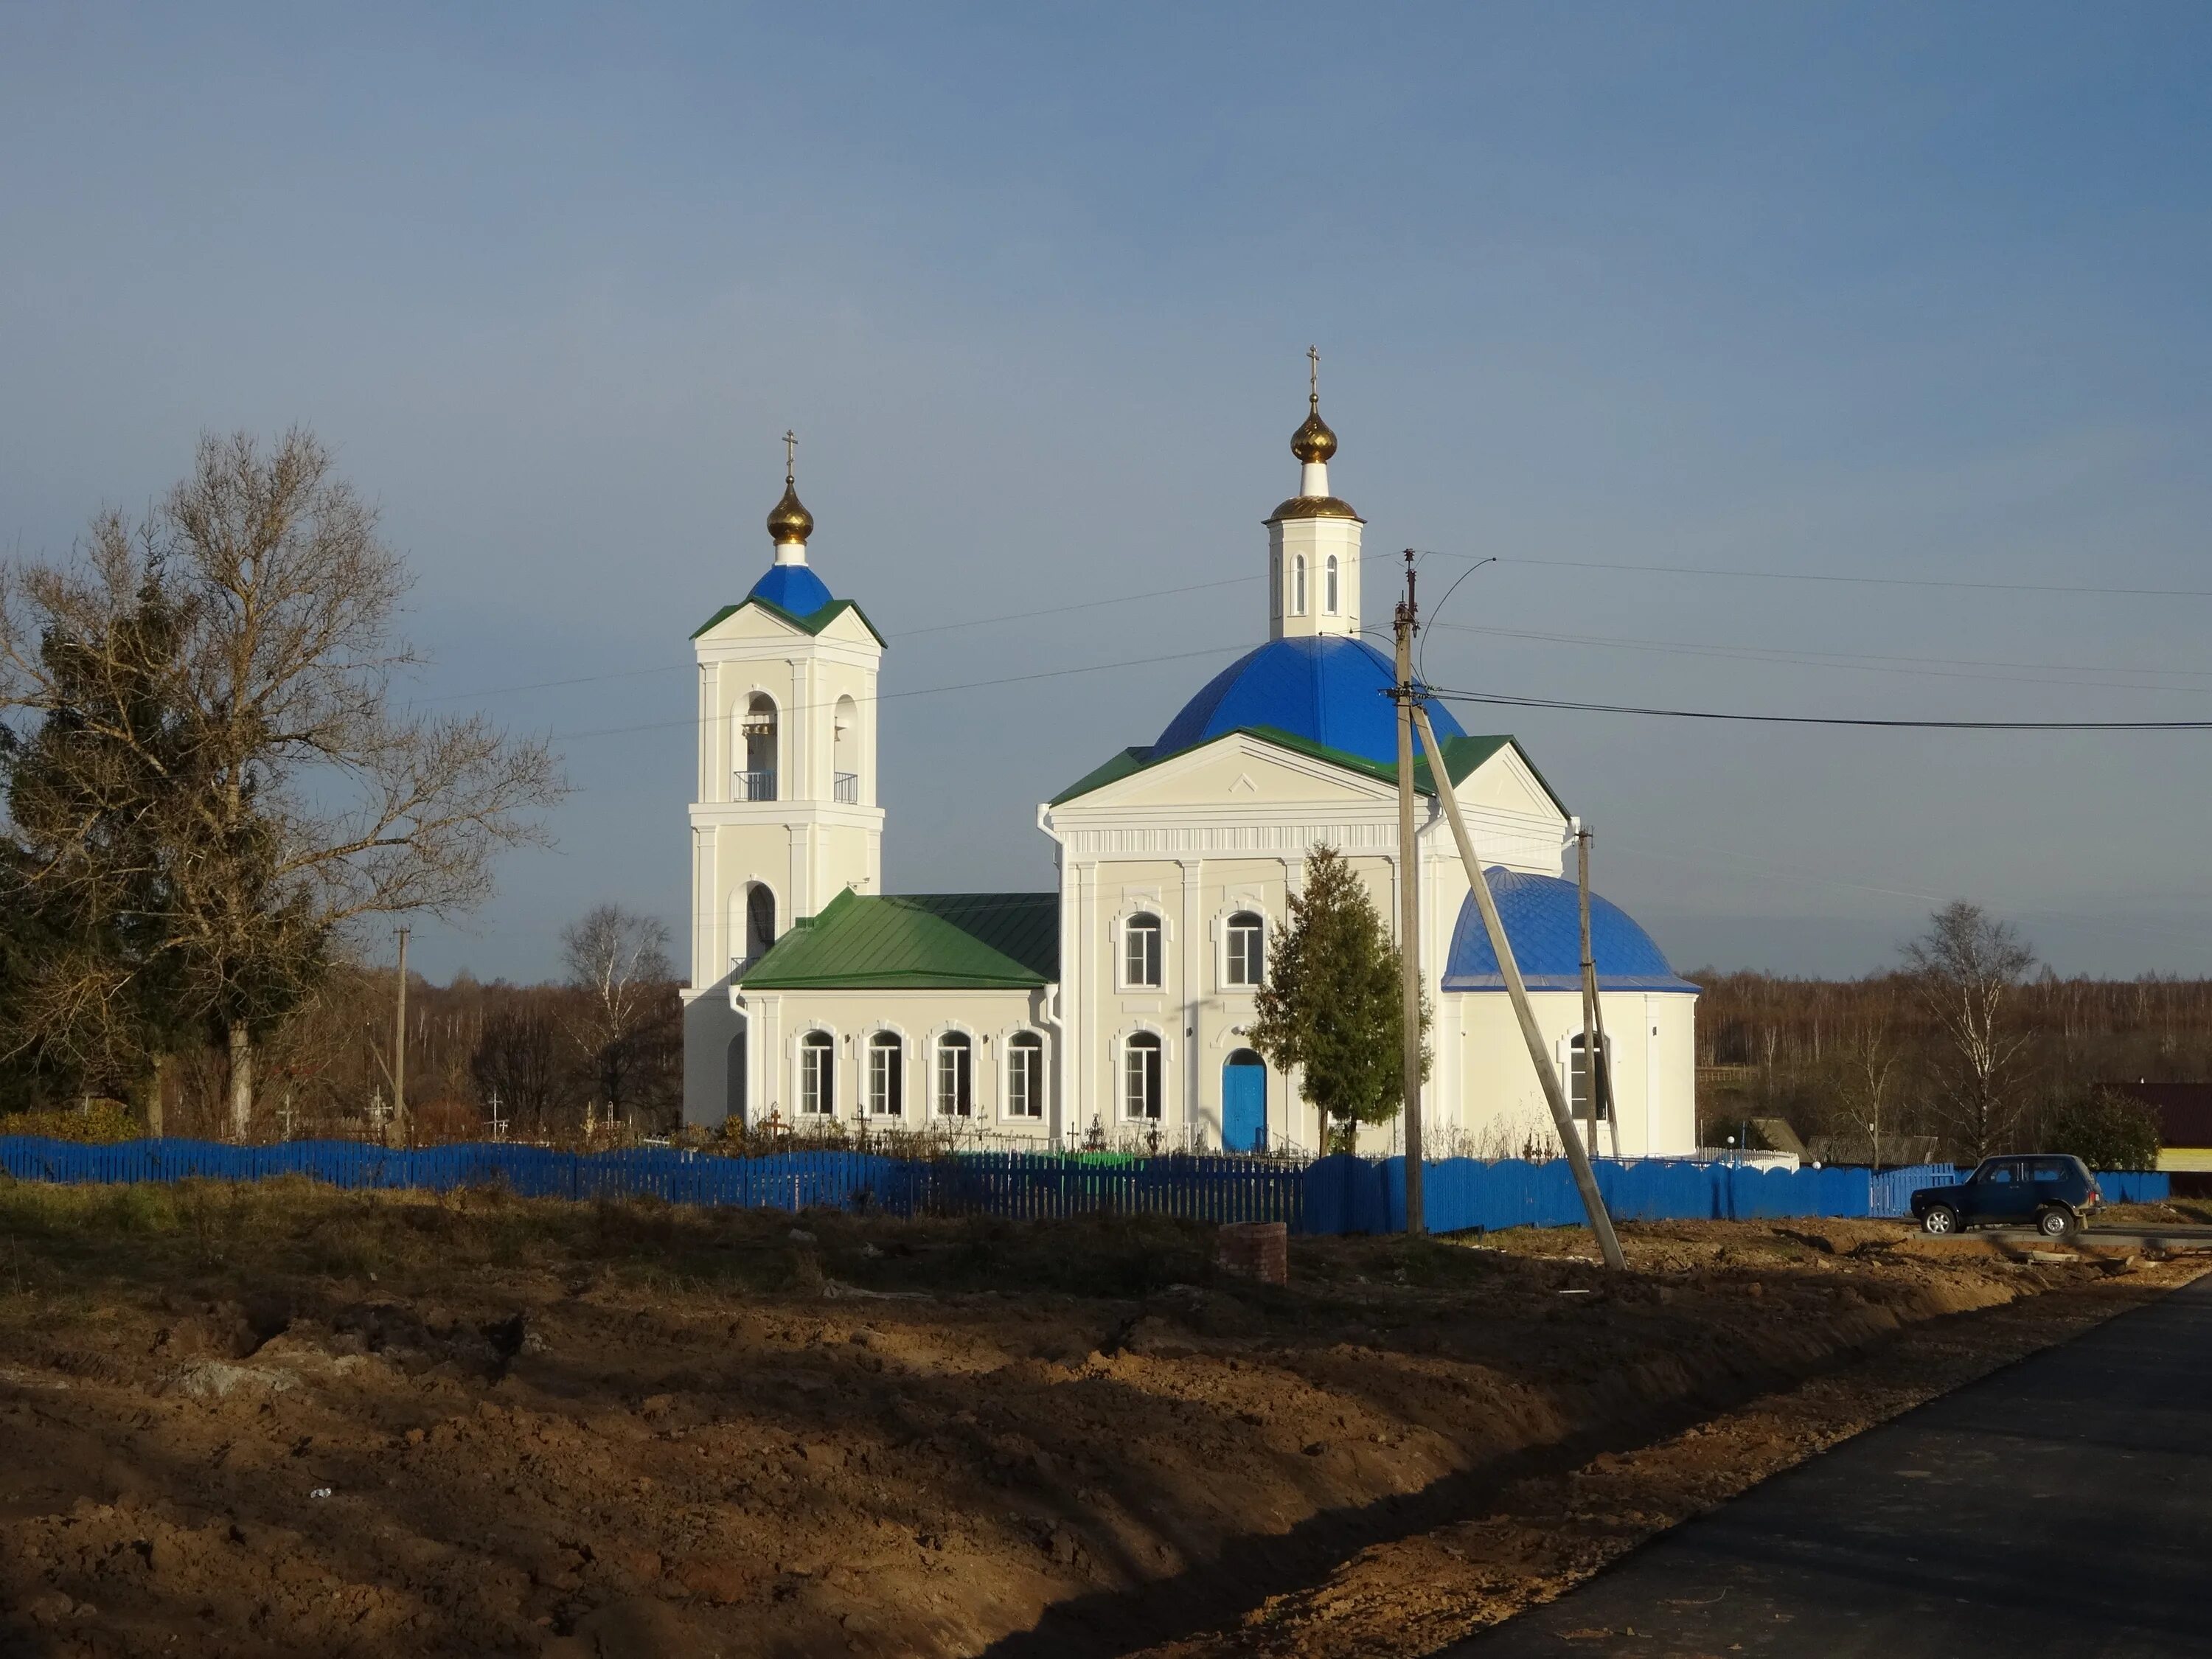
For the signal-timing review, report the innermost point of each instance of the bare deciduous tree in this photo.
(1964, 966)
(285, 797)
(619, 960)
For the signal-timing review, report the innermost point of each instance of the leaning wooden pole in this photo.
(1515, 987)
(1409, 913)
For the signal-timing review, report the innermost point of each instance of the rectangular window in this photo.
(1141, 1064)
(1025, 1076)
(816, 1071)
(886, 1076)
(954, 1095)
(1578, 1078)
(1245, 934)
(1141, 951)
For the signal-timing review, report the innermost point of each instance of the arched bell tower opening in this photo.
(844, 751)
(756, 781)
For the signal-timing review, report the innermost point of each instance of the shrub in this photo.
(2105, 1129)
(99, 1122)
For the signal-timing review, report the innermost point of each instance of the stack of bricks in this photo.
(1255, 1250)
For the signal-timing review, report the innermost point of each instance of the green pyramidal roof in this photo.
(813, 624)
(917, 941)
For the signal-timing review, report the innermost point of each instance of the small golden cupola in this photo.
(789, 524)
(1313, 443)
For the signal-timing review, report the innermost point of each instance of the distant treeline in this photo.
(1831, 1055)
(547, 1056)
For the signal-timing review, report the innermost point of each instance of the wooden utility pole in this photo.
(400, 1051)
(1409, 906)
(1517, 988)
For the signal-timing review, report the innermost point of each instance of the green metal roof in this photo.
(813, 624)
(1462, 757)
(917, 941)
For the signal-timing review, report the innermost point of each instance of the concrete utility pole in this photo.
(1515, 987)
(1601, 1076)
(1590, 989)
(1409, 907)
(399, 1050)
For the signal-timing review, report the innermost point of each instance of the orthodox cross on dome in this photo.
(790, 524)
(1313, 376)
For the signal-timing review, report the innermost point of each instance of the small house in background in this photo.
(1895, 1151)
(2185, 1131)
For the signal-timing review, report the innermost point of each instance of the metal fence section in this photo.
(1350, 1195)
(1337, 1194)
(1017, 1185)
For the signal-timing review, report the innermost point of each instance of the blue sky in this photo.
(1901, 291)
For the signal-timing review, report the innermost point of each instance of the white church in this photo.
(1114, 1010)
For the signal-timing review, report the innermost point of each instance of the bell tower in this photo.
(784, 818)
(1313, 538)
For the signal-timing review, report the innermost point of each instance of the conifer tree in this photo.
(1331, 1003)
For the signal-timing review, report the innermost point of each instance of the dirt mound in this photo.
(482, 1425)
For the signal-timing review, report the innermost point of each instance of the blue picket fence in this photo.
(1337, 1194)
(1018, 1185)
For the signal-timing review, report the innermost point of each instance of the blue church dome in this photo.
(1327, 689)
(1543, 923)
(793, 587)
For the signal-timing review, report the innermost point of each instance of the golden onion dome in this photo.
(790, 521)
(1314, 441)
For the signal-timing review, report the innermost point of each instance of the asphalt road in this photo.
(2063, 1506)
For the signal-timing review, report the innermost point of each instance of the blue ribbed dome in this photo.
(1542, 918)
(793, 587)
(1329, 689)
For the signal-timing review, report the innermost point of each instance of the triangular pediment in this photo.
(758, 618)
(1238, 770)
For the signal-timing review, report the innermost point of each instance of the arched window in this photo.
(760, 922)
(1299, 585)
(1141, 1077)
(1328, 590)
(1578, 1077)
(1025, 1075)
(956, 1072)
(886, 1075)
(818, 1074)
(756, 781)
(845, 752)
(1140, 951)
(1247, 943)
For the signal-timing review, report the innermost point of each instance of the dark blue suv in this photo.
(2050, 1192)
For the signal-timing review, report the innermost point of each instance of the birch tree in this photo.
(284, 798)
(1966, 968)
(618, 961)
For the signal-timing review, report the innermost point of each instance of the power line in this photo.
(1864, 661)
(1502, 700)
(1818, 576)
(921, 691)
(903, 634)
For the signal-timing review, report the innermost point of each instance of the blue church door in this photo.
(1244, 1103)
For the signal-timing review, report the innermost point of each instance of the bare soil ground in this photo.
(279, 1419)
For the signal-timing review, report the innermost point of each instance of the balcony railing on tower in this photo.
(754, 785)
(848, 788)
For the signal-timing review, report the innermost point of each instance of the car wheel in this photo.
(2054, 1222)
(1941, 1218)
